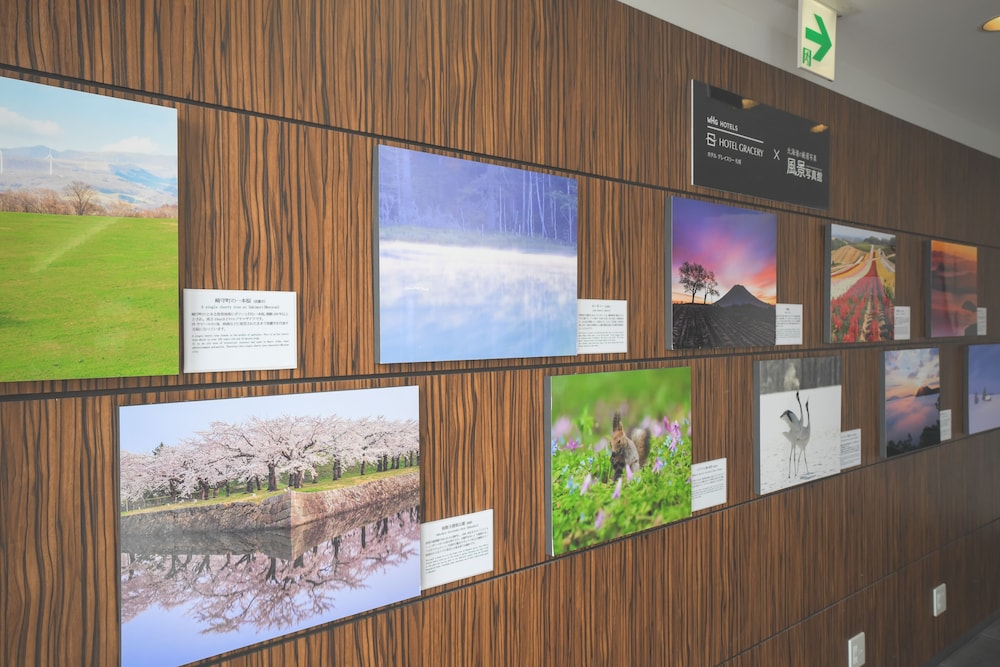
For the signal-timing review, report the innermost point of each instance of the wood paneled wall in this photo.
(281, 105)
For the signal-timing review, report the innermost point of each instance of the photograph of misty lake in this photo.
(474, 261)
(912, 399)
(242, 520)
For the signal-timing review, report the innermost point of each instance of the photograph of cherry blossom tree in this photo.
(245, 519)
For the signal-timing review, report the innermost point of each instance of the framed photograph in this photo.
(952, 296)
(245, 519)
(797, 417)
(861, 285)
(723, 275)
(88, 235)
(473, 260)
(619, 454)
(982, 383)
(911, 415)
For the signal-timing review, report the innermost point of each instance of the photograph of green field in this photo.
(88, 235)
(619, 454)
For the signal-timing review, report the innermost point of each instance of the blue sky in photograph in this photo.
(143, 427)
(33, 114)
(984, 367)
(856, 234)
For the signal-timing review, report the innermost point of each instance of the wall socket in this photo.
(940, 602)
(856, 650)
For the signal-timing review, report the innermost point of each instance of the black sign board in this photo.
(738, 145)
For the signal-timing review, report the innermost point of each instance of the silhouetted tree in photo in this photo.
(81, 197)
(695, 278)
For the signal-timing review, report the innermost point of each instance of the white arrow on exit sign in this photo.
(817, 38)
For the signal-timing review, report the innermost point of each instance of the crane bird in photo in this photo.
(798, 436)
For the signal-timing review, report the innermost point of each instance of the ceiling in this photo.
(925, 61)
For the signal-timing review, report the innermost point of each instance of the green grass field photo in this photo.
(87, 296)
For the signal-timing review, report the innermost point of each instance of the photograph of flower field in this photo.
(912, 400)
(473, 261)
(798, 421)
(619, 454)
(982, 382)
(245, 519)
(724, 282)
(862, 285)
(88, 235)
(953, 297)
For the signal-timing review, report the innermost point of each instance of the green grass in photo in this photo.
(89, 296)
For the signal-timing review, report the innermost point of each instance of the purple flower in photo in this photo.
(673, 445)
(599, 520)
(673, 428)
(572, 445)
(561, 428)
(658, 466)
(618, 489)
(587, 481)
(629, 475)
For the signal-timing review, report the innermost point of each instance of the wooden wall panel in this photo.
(280, 108)
(271, 205)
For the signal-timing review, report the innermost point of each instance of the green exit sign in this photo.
(817, 35)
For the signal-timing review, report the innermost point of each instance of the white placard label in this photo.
(788, 324)
(456, 548)
(901, 328)
(601, 326)
(980, 321)
(708, 484)
(945, 419)
(850, 448)
(239, 330)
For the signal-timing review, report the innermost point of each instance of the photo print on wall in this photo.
(473, 260)
(912, 400)
(88, 235)
(619, 454)
(982, 383)
(723, 275)
(245, 519)
(797, 421)
(861, 285)
(953, 270)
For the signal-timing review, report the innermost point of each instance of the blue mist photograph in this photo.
(474, 261)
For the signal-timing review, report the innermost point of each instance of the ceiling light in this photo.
(993, 25)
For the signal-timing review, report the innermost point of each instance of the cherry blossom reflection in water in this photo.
(184, 604)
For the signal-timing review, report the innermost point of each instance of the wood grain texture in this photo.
(280, 108)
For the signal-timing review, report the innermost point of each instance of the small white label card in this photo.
(239, 330)
(456, 548)
(788, 324)
(601, 326)
(901, 317)
(708, 484)
(980, 321)
(945, 425)
(850, 448)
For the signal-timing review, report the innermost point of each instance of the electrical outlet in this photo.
(940, 600)
(856, 650)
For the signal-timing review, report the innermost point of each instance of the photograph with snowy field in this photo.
(619, 454)
(245, 519)
(911, 415)
(797, 421)
(88, 235)
(862, 285)
(472, 260)
(724, 275)
(982, 382)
